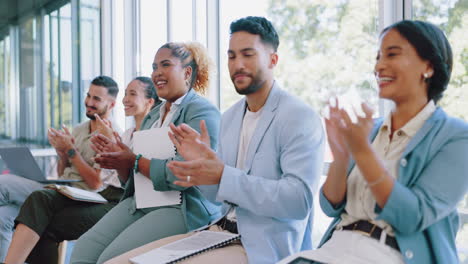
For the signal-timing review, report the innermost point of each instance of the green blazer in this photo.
(197, 210)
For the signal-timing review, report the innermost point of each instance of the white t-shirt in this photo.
(249, 124)
(127, 137)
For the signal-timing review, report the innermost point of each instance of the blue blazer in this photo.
(422, 205)
(197, 210)
(273, 195)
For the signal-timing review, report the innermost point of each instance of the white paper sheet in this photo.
(156, 144)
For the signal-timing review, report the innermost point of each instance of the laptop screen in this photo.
(21, 162)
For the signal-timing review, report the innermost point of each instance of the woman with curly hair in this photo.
(180, 71)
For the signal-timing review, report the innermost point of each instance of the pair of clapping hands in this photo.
(61, 140)
(201, 166)
(112, 153)
(348, 133)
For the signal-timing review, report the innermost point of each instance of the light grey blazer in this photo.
(274, 193)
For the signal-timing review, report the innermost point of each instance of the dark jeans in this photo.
(55, 218)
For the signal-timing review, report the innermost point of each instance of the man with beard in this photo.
(269, 158)
(47, 217)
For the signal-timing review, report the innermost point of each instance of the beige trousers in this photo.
(233, 253)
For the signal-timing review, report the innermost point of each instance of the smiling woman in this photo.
(179, 71)
(396, 202)
(140, 97)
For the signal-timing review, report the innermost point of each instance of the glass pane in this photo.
(47, 68)
(55, 98)
(65, 82)
(90, 44)
(201, 27)
(2, 90)
(153, 31)
(7, 58)
(452, 17)
(28, 88)
(181, 20)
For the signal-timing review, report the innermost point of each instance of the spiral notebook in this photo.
(185, 248)
(77, 194)
(155, 144)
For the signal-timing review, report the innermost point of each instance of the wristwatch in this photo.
(71, 153)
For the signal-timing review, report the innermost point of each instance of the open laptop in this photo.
(20, 161)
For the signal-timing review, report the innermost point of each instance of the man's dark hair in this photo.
(109, 83)
(257, 26)
(431, 45)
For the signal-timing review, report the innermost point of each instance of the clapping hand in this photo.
(202, 165)
(346, 137)
(61, 140)
(120, 160)
(101, 143)
(189, 143)
(104, 127)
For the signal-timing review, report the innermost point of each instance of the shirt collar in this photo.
(174, 104)
(179, 101)
(412, 126)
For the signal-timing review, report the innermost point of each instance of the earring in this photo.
(426, 75)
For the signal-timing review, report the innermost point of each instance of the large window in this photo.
(47, 60)
(452, 17)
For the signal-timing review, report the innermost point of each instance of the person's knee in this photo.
(14, 189)
(6, 183)
(7, 217)
(107, 255)
(85, 250)
(6, 226)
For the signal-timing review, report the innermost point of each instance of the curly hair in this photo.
(193, 54)
(431, 45)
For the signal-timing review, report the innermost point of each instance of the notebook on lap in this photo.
(20, 161)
